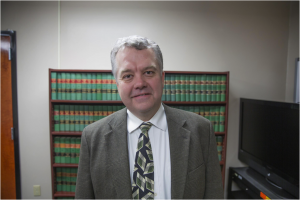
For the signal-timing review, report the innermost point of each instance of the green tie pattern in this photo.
(143, 174)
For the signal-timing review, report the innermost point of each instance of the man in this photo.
(147, 150)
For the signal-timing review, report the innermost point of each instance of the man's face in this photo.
(139, 81)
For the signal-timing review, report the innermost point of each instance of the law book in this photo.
(207, 112)
(68, 150)
(78, 141)
(73, 150)
(115, 108)
(118, 95)
(208, 87)
(61, 117)
(223, 87)
(104, 111)
(114, 89)
(222, 119)
(192, 87)
(163, 97)
(62, 150)
(197, 110)
(63, 86)
(99, 86)
(78, 87)
(95, 113)
(68, 86)
(59, 86)
(213, 116)
(83, 86)
(104, 86)
(56, 149)
(67, 117)
(218, 88)
(197, 87)
(214, 88)
(86, 115)
(217, 119)
(168, 87)
(109, 110)
(203, 87)
(100, 111)
(77, 118)
(68, 179)
(219, 140)
(73, 179)
(56, 117)
(177, 87)
(109, 86)
(94, 86)
(72, 118)
(89, 86)
(53, 85)
(91, 114)
(73, 86)
(81, 118)
(64, 179)
(182, 87)
(173, 88)
(187, 88)
(201, 112)
(58, 179)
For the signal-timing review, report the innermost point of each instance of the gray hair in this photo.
(139, 43)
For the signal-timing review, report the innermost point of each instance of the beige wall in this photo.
(249, 39)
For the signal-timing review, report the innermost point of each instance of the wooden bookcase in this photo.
(95, 102)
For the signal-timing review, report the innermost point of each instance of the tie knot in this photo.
(145, 126)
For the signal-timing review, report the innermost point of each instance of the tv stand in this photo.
(253, 185)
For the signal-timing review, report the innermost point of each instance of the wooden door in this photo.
(8, 151)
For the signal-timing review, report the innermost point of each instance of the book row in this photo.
(102, 86)
(196, 87)
(77, 117)
(83, 86)
(215, 114)
(219, 140)
(65, 179)
(66, 150)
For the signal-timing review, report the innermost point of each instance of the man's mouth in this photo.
(141, 95)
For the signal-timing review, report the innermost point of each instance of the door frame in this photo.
(12, 35)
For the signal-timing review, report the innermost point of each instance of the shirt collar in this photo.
(159, 120)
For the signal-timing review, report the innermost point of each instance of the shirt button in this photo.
(155, 194)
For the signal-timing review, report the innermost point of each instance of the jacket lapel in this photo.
(179, 149)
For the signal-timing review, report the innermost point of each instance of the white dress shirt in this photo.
(159, 138)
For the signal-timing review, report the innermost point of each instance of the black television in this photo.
(269, 141)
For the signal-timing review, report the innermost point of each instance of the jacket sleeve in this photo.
(84, 186)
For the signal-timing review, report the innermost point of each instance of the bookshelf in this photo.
(100, 106)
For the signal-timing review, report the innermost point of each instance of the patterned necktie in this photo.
(143, 173)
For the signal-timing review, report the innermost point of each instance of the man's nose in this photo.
(140, 82)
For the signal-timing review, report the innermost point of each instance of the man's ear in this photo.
(163, 78)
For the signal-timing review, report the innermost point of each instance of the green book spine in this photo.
(73, 86)
(187, 88)
(56, 117)
(89, 86)
(81, 117)
(198, 87)
(95, 113)
(64, 179)
(68, 86)
(104, 112)
(109, 110)
(207, 112)
(214, 88)
(62, 150)
(109, 86)
(192, 87)
(61, 117)
(213, 116)
(83, 86)
(63, 86)
(78, 141)
(168, 87)
(182, 87)
(94, 86)
(177, 87)
(197, 110)
(219, 146)
(218, 88)
(223, 87)
(99, 86)
(68, 179)
(104, 86)
(73, 179)
(58, 179)
(114, 89)
(191, 109)
(86, 115)
(163, 97)
(208, 87)
(203, 87)
(73, 150)
(91, 114)
(173, 88)
(118, 95)
(59, 86)
(77, 118)
(78, 87)
(56, 149)
(115, 109)
(201, 112)
(222, 119)
(53, 85)
(68, 150)
(217, 119)
(72, 118)
(101, 112)
(67, 117)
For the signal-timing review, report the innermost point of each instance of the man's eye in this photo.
(149, 72)
(127, 76)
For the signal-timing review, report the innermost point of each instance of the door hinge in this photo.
(12, 133)
(9, 54)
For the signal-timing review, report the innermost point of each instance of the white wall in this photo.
(249, 39)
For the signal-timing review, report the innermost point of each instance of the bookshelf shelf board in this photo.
(64, 194)
(222, 162)
(220, 133)
(67, 133)
(65, 165)
(195, 102)
(86, 102)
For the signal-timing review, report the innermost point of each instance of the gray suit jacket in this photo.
(103, 170)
